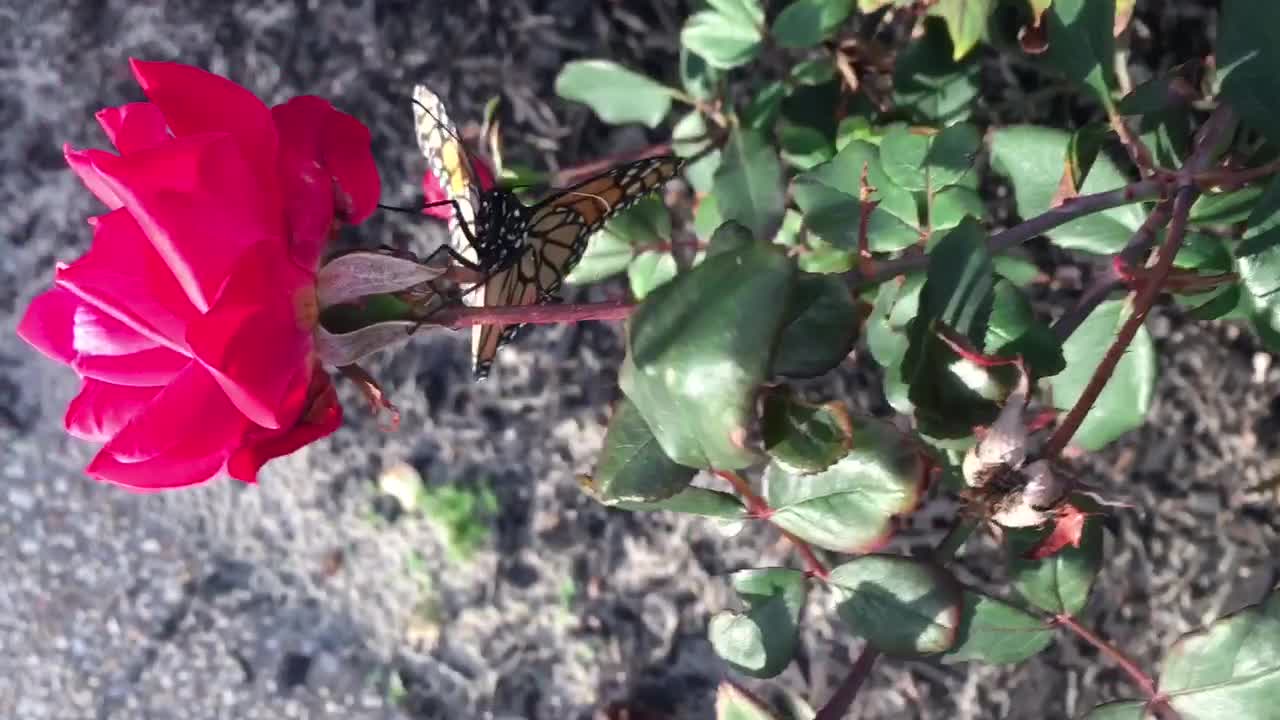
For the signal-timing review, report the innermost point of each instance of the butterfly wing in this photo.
(558, 229)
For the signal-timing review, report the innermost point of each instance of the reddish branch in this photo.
(1206, 143)
(1156, 702)
(759, 509)
(839, 703)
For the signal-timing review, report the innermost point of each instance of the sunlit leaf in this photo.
(616, 94)
(903, 607)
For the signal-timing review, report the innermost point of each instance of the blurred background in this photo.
(492, 587)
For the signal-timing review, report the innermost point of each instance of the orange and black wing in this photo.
(559, 227)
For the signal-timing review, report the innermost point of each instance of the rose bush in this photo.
(190, 319)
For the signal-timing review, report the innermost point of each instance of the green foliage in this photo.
(903, 607)
(616, 94)
(996, 632)
(850, 506)
(1229, 669)
(1033, 159)
(728, 34)
(1124, 402)
(1059, 584)
(462, 515)
(836, 179)
(708, 335)
(761, 641)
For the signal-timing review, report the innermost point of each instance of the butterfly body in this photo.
(525, 251)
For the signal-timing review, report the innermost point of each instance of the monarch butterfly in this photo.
(524, 251)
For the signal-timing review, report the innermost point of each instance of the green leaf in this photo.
(692, 500)
(1019, 271)
(805, 438)
(966, 21)
(699, 79)
(698, 348)
(1015, 331)
(1032, 158)
(952, 205)
(828, 196)
(1058, 584)
(850, 507)
(761, 641)
(895, 307)
(761, 113)
(814, 71)
(930, 84)
(1224, 208)
(1258, 254)
(996, 632)
(735, 703)
(1248, 56)
(748, 185)
(804, 23)
(1124, 402)
(730, 237)
(706, 217)
(903, 607)
(726, 36)
(1230, 669)
(616, 94)
(610, 250)
(632, 466)
(821, 327)
(607, 255)
(928, 162)
(1081, 44)
(689, 138)
(649, 270)
(804, 147)
(951, 395)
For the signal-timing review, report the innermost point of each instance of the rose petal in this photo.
(47, 324)
(195, 101)
(135, 126)
(199, 203)
(253, 339)
(82, 164)
(323, 415)
(307, 188)
(191, 418)
(147, 368)
(350, 163)
(94, 332)
(124, 276)
(101, 409)
(160, 473)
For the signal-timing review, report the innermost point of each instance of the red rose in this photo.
(190, 319)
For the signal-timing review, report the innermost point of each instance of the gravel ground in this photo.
(310, 595)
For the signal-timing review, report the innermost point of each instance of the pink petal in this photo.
(101, 409)
(160, 473)
(195, 101)
(432, 195)
(124, 276)
(306, 186)
(133, 127)
(148, 368)
(350, 162)
(94, 332)
(322, 416)
(199, 203)
(189, 419)
(81, 163)
(254, 340)
(47, 324)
